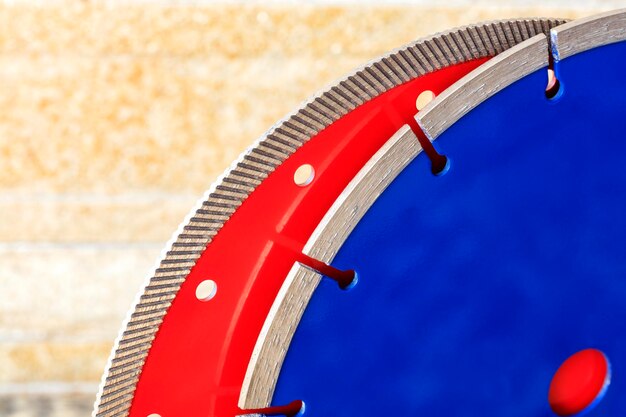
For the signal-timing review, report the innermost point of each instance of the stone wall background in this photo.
(116, 116)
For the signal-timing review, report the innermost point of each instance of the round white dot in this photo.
(206, 290)
(304, 175)
(154, 415)
(424, 98)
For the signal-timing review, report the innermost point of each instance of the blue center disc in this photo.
(475, 286)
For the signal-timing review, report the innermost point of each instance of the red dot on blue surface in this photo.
(580, 383)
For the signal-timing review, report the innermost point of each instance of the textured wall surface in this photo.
(115, 117)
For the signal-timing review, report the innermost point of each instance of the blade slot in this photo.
(346, 279)
(293, 409)
(554, 87)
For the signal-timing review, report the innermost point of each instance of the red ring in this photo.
(199, 357)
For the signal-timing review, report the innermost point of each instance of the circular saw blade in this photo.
(180, 354)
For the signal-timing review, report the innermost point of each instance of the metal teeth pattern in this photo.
(418, 58)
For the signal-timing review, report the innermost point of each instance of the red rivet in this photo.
(579, 383)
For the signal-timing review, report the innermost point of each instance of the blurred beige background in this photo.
(116, 116)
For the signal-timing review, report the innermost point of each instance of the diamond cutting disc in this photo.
(330, 268)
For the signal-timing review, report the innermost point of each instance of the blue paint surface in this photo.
(476, 285)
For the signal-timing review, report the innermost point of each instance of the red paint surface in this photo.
(198, 360)
(578, 383)
(295, 408)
